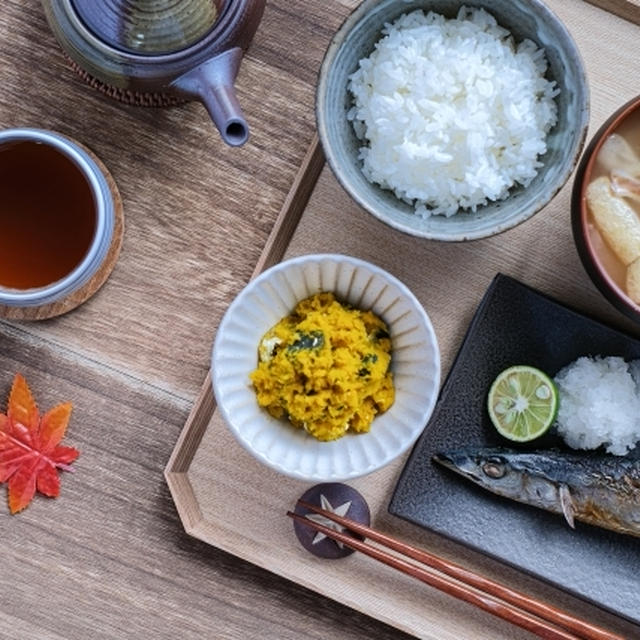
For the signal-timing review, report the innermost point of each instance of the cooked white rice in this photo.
(453, 112)
(599, 404)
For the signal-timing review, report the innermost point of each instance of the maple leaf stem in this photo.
(64, 467)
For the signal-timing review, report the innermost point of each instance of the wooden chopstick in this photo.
(490, 596)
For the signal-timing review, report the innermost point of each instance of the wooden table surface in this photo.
(110, 558)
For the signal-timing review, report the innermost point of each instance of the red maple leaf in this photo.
(30, 451)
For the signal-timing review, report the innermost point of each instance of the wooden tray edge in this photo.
(203, 530)
(627, 9)
(91, 287)
(177, 467)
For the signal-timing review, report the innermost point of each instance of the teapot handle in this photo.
(212, 83)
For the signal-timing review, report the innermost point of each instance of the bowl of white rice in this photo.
(449, 120)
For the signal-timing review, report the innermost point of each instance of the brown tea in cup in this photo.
(47, 215)
(58, 209)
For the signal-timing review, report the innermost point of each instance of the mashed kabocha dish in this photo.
(325, 367)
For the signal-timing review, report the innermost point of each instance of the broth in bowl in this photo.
(612, 196)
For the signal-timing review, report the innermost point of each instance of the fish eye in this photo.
(494, 468)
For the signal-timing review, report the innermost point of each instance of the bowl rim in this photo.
(579, 213)
(331, 52)
(424, 320)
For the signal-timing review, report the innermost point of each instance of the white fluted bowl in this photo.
(415, 364)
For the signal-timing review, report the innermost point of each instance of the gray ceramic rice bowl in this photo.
(524, 19)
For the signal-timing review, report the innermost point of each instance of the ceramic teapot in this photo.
(189, 49)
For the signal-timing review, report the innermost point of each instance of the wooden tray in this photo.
(229, 500)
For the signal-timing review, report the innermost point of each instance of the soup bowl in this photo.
(597, 256)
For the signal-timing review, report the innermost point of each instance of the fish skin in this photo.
(599, 489)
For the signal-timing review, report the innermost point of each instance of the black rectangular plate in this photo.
(516, 325)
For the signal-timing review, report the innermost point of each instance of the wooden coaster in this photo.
(82, 294)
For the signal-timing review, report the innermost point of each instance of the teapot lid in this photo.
(149, 27)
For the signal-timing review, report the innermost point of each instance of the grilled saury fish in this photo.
(602, 490)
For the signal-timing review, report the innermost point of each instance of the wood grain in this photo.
(110, 558)
(198, 213)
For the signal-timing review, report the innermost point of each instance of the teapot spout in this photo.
(212, 83)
